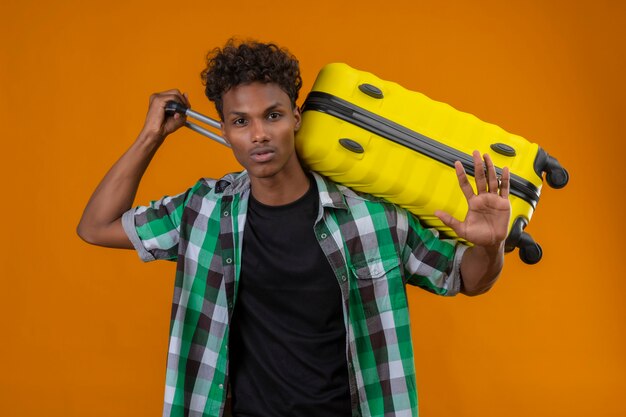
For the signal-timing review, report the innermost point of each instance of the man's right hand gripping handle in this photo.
(101, 222)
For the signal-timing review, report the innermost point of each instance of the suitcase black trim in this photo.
(344, 110)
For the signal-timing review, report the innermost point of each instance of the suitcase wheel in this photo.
(529, 251)
(556, 175)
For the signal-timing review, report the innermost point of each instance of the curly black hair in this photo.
(246, 62)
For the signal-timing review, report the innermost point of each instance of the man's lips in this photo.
(262, 154)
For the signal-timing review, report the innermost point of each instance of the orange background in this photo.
(84, 329)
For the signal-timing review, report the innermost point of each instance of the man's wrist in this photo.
(493, 250)
(150, 139)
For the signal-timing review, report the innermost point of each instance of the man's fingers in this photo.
(486, 177)
(160, 99)
(505, 182)
(173, 92)
(492, 177)
(479, 173)
(466, 187)
(157, 120)
(449, 221)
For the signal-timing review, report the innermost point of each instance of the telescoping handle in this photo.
(172, 107)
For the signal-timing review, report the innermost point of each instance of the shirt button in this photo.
(323, 235)
(229, 261)
(343, 278)
(225, 214)
(221, 386)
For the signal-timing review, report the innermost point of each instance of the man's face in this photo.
(260, 124)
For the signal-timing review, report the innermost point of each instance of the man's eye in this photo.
(239, 122)
(273, 115)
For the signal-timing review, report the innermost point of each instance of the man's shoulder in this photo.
(352, 194)
(351, 197)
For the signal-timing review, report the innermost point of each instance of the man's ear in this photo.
(298, 116)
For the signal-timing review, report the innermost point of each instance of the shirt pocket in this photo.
(379, 284)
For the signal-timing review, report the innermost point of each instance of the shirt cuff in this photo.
(128, 222)
(455, 276)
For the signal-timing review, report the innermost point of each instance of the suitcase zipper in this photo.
(344, 110)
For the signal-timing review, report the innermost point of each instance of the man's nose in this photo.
(259, 132)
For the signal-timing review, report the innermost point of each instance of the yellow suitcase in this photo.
(380, 138)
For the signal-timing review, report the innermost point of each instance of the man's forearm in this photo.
(101, 223)
(101, 220)
(480, 268)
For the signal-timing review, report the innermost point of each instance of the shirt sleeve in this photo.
(431, 263)
(154, 230)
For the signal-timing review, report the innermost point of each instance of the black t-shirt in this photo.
(287, 337)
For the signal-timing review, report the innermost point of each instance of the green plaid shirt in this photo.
(374, 248)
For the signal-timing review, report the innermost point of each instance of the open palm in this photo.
(489, 209)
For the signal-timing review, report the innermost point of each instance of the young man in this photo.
(289, 287)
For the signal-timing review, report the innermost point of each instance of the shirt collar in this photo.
(330, 193)
(237, 183)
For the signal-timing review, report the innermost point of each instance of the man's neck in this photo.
(281, 189)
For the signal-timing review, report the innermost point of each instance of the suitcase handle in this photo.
(172, 107)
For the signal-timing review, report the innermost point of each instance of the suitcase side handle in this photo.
(371, 90)
(172, 107)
